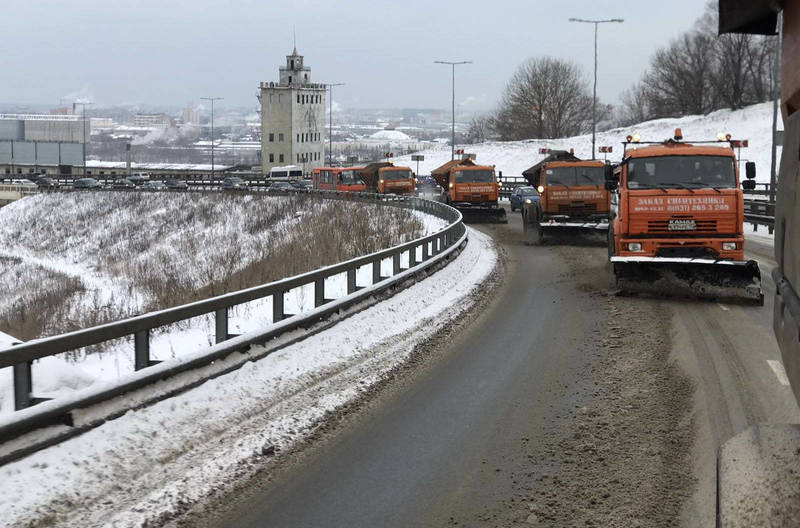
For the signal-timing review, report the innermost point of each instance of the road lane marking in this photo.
(780, 372)
(723, 307)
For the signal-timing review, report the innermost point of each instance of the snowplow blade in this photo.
(722, 280)
(484, 215)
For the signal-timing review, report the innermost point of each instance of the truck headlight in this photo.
(634, 246)
(729, 246)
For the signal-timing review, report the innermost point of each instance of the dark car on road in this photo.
(281, 186)
(521, 194)
(176, 185)
(47, 183)
(87, 184)
(123, 183)
(234, 184)
(152, 186)
(301, 185)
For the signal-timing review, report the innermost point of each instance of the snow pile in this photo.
(753, 123)
(154, 461)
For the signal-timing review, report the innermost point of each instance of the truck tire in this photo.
(532, 229)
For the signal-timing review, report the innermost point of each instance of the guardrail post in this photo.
(319, 293)
(395, 263)
(351, 281)
(277, 307)
(425, 251)
(221, 324)
(141, 345)
(23, 385)
(412, 257)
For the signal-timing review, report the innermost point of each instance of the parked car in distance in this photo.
(301, 185)
(176, 185)
(521, 194)
(86, 184)
(234, 184)
(281, 186)
(139, 177)
(46, 182)
(153, 186)
(123, 183)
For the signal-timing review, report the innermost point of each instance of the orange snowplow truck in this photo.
(678, 227)
(572, 194)
(385, 178)
(472, 189)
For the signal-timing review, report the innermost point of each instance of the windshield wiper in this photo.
(590, 179)
(682, 186)
(704, 186)
(556, 182)
(640, 185)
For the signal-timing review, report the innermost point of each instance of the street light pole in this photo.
(212, 99)
(453, 129)
(594, 92)
(330, 124)
(84, 133)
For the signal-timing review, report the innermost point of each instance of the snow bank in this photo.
(513, 157)
(155, 460)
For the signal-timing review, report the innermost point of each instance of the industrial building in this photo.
(151, 120)
(31, 141)
(292, 118)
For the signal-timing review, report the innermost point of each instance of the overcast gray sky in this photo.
(170, 52)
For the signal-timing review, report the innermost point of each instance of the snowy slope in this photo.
(155, 461)
(513, 157)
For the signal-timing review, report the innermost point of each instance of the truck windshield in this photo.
(575, 176)
(694, 172)
(396, 175)
(474, 176)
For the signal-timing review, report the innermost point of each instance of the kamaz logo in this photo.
(682, 225)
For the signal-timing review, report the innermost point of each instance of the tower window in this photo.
(292, 63)
(280, 137)
(290, 79)
(280, 158)
(271, 138)
(272, 158)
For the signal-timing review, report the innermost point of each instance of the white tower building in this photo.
(292, 118)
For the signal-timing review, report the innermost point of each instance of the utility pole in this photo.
(594, 92)
(330, 124)
(776, 77)
(84, 103)
(453, 130)
(212, 99)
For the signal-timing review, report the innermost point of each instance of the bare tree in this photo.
(545, 98)
(679, 80)
(479, 129)
(635, 105)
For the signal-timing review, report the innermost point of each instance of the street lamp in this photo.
(330, 125)
(212, 99)
(453, 131)
(594, 92)
(84, 103)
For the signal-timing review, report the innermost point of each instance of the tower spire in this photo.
(294, 40)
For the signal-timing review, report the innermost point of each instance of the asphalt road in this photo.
(465, 442)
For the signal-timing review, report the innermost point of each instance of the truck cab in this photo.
(681, 211)
(386, 178)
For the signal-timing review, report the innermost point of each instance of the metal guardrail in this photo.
(760, 213)
(434, 248)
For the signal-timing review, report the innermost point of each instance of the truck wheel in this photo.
(532, 229)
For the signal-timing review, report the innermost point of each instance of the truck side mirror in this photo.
(750, 170)
(609, 173)
(611, 185)
(500, 176)
(748, 185)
